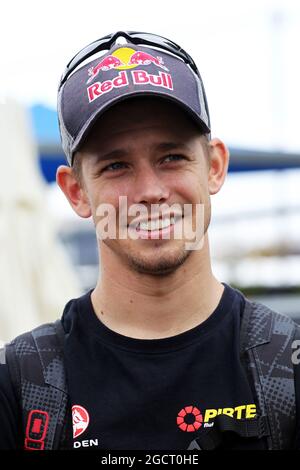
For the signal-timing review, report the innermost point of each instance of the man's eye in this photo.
(174, 157)
(114, 166)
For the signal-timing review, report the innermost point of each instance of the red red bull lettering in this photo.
(98, 89)
(140, 77)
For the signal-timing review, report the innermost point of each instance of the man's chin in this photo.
(160, 267)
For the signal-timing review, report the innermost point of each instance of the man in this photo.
(152, 353)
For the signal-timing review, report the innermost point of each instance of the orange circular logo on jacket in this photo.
(189, 419)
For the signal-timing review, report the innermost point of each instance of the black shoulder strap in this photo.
(213, 438)
(266, 350)
(36, 365)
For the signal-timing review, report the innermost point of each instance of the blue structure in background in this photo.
(46, 131)
(45, 124)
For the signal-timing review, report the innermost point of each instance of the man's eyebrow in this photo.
(117, 153)
(162, 147)
(165, 146)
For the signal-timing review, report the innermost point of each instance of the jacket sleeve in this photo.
(11, 433)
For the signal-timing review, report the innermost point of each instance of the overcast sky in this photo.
(247, 53)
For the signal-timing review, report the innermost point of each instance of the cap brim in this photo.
(81, 137)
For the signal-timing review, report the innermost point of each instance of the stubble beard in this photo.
(162, 265)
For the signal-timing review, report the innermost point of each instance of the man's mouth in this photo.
(153, 225)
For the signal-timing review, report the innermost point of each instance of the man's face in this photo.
(149, 151)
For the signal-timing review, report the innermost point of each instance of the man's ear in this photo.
(219, 161)
(73, 191)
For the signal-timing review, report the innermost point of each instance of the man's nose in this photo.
(149, 187)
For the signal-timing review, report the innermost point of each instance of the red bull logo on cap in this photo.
(123, 59)
(109, 62)
(143, 58)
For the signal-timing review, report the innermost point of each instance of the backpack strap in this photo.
(36, 366)
(266, 351)
(213, 438)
